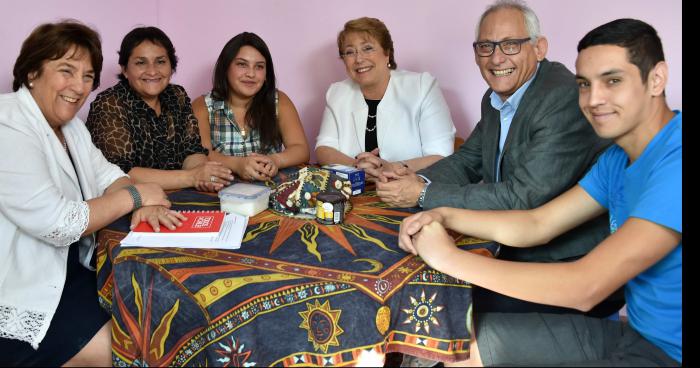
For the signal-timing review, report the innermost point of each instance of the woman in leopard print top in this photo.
(145, 125)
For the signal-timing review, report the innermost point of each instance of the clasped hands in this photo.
(396, 184)
(258, 167)
(211, 176)
(424, 234)
(373, 165)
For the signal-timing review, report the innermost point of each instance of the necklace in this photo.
(233, 120)
(62, 139)
(375, 122)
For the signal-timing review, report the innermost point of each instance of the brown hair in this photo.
(51, 41)
(372, 27)
(262, 113)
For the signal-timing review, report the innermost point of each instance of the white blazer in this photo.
(41, 211)
(413, 119)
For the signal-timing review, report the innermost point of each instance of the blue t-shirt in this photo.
(649, 189)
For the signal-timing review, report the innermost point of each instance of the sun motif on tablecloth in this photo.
(233, 355)
(423, 312)
(368, 212)
(322, 324)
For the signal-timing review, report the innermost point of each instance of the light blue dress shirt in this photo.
(507, 109)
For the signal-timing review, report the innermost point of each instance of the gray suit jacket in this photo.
(549, 147)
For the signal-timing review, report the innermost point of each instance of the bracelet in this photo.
(135, 196)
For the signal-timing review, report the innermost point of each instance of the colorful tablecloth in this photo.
(296, 293)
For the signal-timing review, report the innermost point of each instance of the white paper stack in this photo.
(230, 237)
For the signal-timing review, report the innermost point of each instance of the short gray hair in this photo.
(532, 23)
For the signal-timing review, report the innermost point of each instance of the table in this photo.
(296, 293)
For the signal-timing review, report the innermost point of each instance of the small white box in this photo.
(244, 199)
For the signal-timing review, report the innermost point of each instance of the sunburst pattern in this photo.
(223, 294)
(423, 312)
(365, 213)
(233, 354)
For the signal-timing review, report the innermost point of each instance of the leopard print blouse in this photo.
(130, 134)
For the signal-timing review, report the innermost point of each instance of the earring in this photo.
(31, 84)
(388, 65)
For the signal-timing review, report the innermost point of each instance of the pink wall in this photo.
(429, 35)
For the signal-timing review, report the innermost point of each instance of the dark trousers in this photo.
(487, 301)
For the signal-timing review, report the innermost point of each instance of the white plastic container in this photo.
(244, 199)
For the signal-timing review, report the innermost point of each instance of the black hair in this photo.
(136, 36)
(639, 39)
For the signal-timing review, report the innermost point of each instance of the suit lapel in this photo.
(387, 116)
(359, 116)
(63, 159)
(490, 141)
(527, 103)
(53, 145)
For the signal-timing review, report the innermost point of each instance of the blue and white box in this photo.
(356, 176)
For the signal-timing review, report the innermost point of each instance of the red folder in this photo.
(198, 222)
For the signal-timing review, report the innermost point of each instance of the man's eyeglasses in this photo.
(351, 53)
(508, 47)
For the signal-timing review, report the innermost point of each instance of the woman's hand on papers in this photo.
(157, 215)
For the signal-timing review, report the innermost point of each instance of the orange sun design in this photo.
(364, 206)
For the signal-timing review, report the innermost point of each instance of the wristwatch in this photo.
(421, 196)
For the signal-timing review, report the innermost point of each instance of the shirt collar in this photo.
(217, 104)
(167, 97)
(514, 99)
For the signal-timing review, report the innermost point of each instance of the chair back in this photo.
(458, 142)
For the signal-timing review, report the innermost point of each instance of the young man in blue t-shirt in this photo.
(621, 75)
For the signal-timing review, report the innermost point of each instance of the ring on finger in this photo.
(212, 179)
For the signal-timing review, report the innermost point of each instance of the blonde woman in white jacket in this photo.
(56, 190)
(379, 118)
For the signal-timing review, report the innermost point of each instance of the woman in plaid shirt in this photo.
(245, 122)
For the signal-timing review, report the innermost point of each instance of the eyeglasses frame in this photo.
(519, 41)
(358, 51)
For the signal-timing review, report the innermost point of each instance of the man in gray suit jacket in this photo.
(532, 144)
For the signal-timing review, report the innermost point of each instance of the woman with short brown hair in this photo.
(56, 190)
(381, 118)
